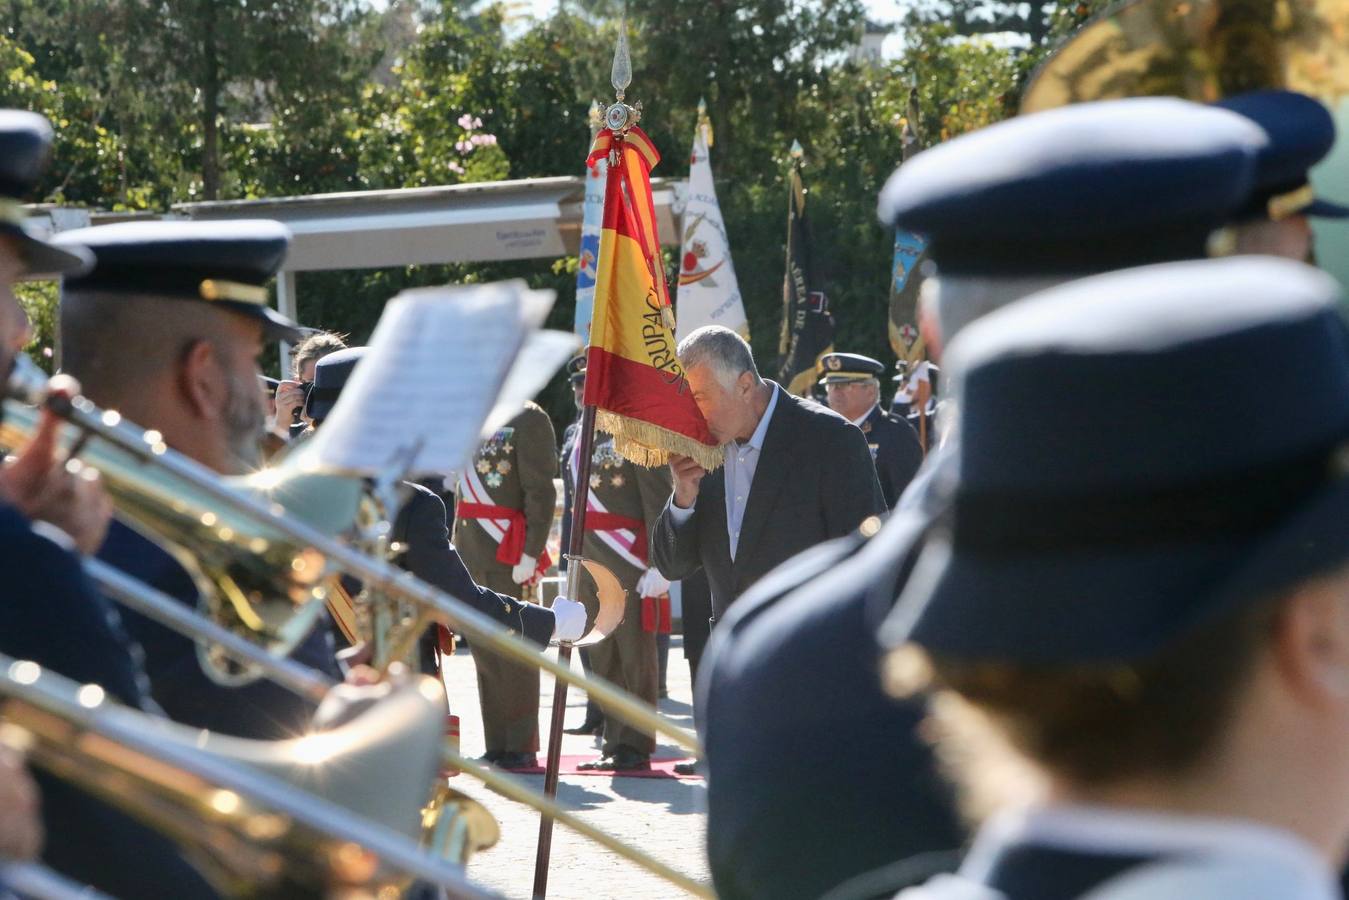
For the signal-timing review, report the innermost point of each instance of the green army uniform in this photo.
(620, 490)
(512, 473)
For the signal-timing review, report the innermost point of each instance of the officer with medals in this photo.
(797, 665)
(504, 511)
(1138, 595)
(852, 389)
(624, 500)
(50, 613)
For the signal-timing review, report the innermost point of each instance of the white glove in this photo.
(569, 619)
(524, 569)
(652, 584)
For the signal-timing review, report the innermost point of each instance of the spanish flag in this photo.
(632, 375)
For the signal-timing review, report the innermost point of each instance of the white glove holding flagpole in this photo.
(524, 569)
(652, 584)
(569, 619)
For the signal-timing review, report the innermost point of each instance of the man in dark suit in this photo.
(50, 613)
(853, 390)
(795, 475)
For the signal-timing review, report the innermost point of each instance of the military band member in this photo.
(1145, 610)
(853, 390)
(167, 329)
(623, 501)
(504, 513)
(809, 634)
(1276, 218)
(49, 612)
(419, 527)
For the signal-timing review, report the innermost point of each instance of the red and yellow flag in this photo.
(632, 375)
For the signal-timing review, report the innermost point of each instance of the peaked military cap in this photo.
(226, 263)
(1301, 132)
(1110, 490)
(841, 367)
(25, 147)
(576, 369)
(1083, 188)
(330, 376)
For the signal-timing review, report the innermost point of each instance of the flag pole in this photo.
(619, 118)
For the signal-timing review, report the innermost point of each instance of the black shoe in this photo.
(491, 756)
(686, 768)
(587, 727)
(517, 761)
(624, 759)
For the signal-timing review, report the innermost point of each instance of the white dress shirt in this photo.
(742, 460)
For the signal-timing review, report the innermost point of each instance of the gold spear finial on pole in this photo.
(704, 123)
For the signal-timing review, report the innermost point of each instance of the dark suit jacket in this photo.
(814, 481)
(421, 526)
(795, 664)
(51, 614)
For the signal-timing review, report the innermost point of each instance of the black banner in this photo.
(807, 326)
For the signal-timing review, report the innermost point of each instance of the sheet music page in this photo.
(418, 402)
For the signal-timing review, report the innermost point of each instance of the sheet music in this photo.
(419, 401)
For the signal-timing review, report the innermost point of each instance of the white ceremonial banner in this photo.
(446, 366)
(592, 220)
(708, 293)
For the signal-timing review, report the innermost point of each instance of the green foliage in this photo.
(163, 101)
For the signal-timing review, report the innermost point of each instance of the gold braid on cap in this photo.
(1281, 206)
(215, 289)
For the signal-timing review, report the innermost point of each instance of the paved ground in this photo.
(665, 817)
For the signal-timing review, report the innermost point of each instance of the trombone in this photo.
(183, 504)
(228, 530)
(237, 807)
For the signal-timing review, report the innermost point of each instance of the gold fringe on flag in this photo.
(644, 444)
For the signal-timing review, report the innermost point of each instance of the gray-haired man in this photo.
(796, 475)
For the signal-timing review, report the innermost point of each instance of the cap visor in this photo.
(1325, 209)
(43, 260)
(1107, 606)
(279, 328)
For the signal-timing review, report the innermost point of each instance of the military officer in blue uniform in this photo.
(1145, 607)
(50, 613)
(420, 526)
(1275, 220)
(794, 665)
(166, 329)
(852, 389)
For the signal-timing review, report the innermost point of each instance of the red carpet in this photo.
(660, 768)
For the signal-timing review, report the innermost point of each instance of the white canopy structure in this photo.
(533, 218)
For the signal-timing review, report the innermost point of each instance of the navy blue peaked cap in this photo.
(25, 147)
(1301, 132)
(1080, 189)
(330, 376)
(228, 263)
(840, 367)
(1112, 490)
(576, 369)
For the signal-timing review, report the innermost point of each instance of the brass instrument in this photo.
(1205, 50)
(255, 817)
(291, 517)
(147, 475)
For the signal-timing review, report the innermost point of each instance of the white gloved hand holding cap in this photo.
(652, 584)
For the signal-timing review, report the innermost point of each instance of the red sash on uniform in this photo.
(512, 545)
(607, 521)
